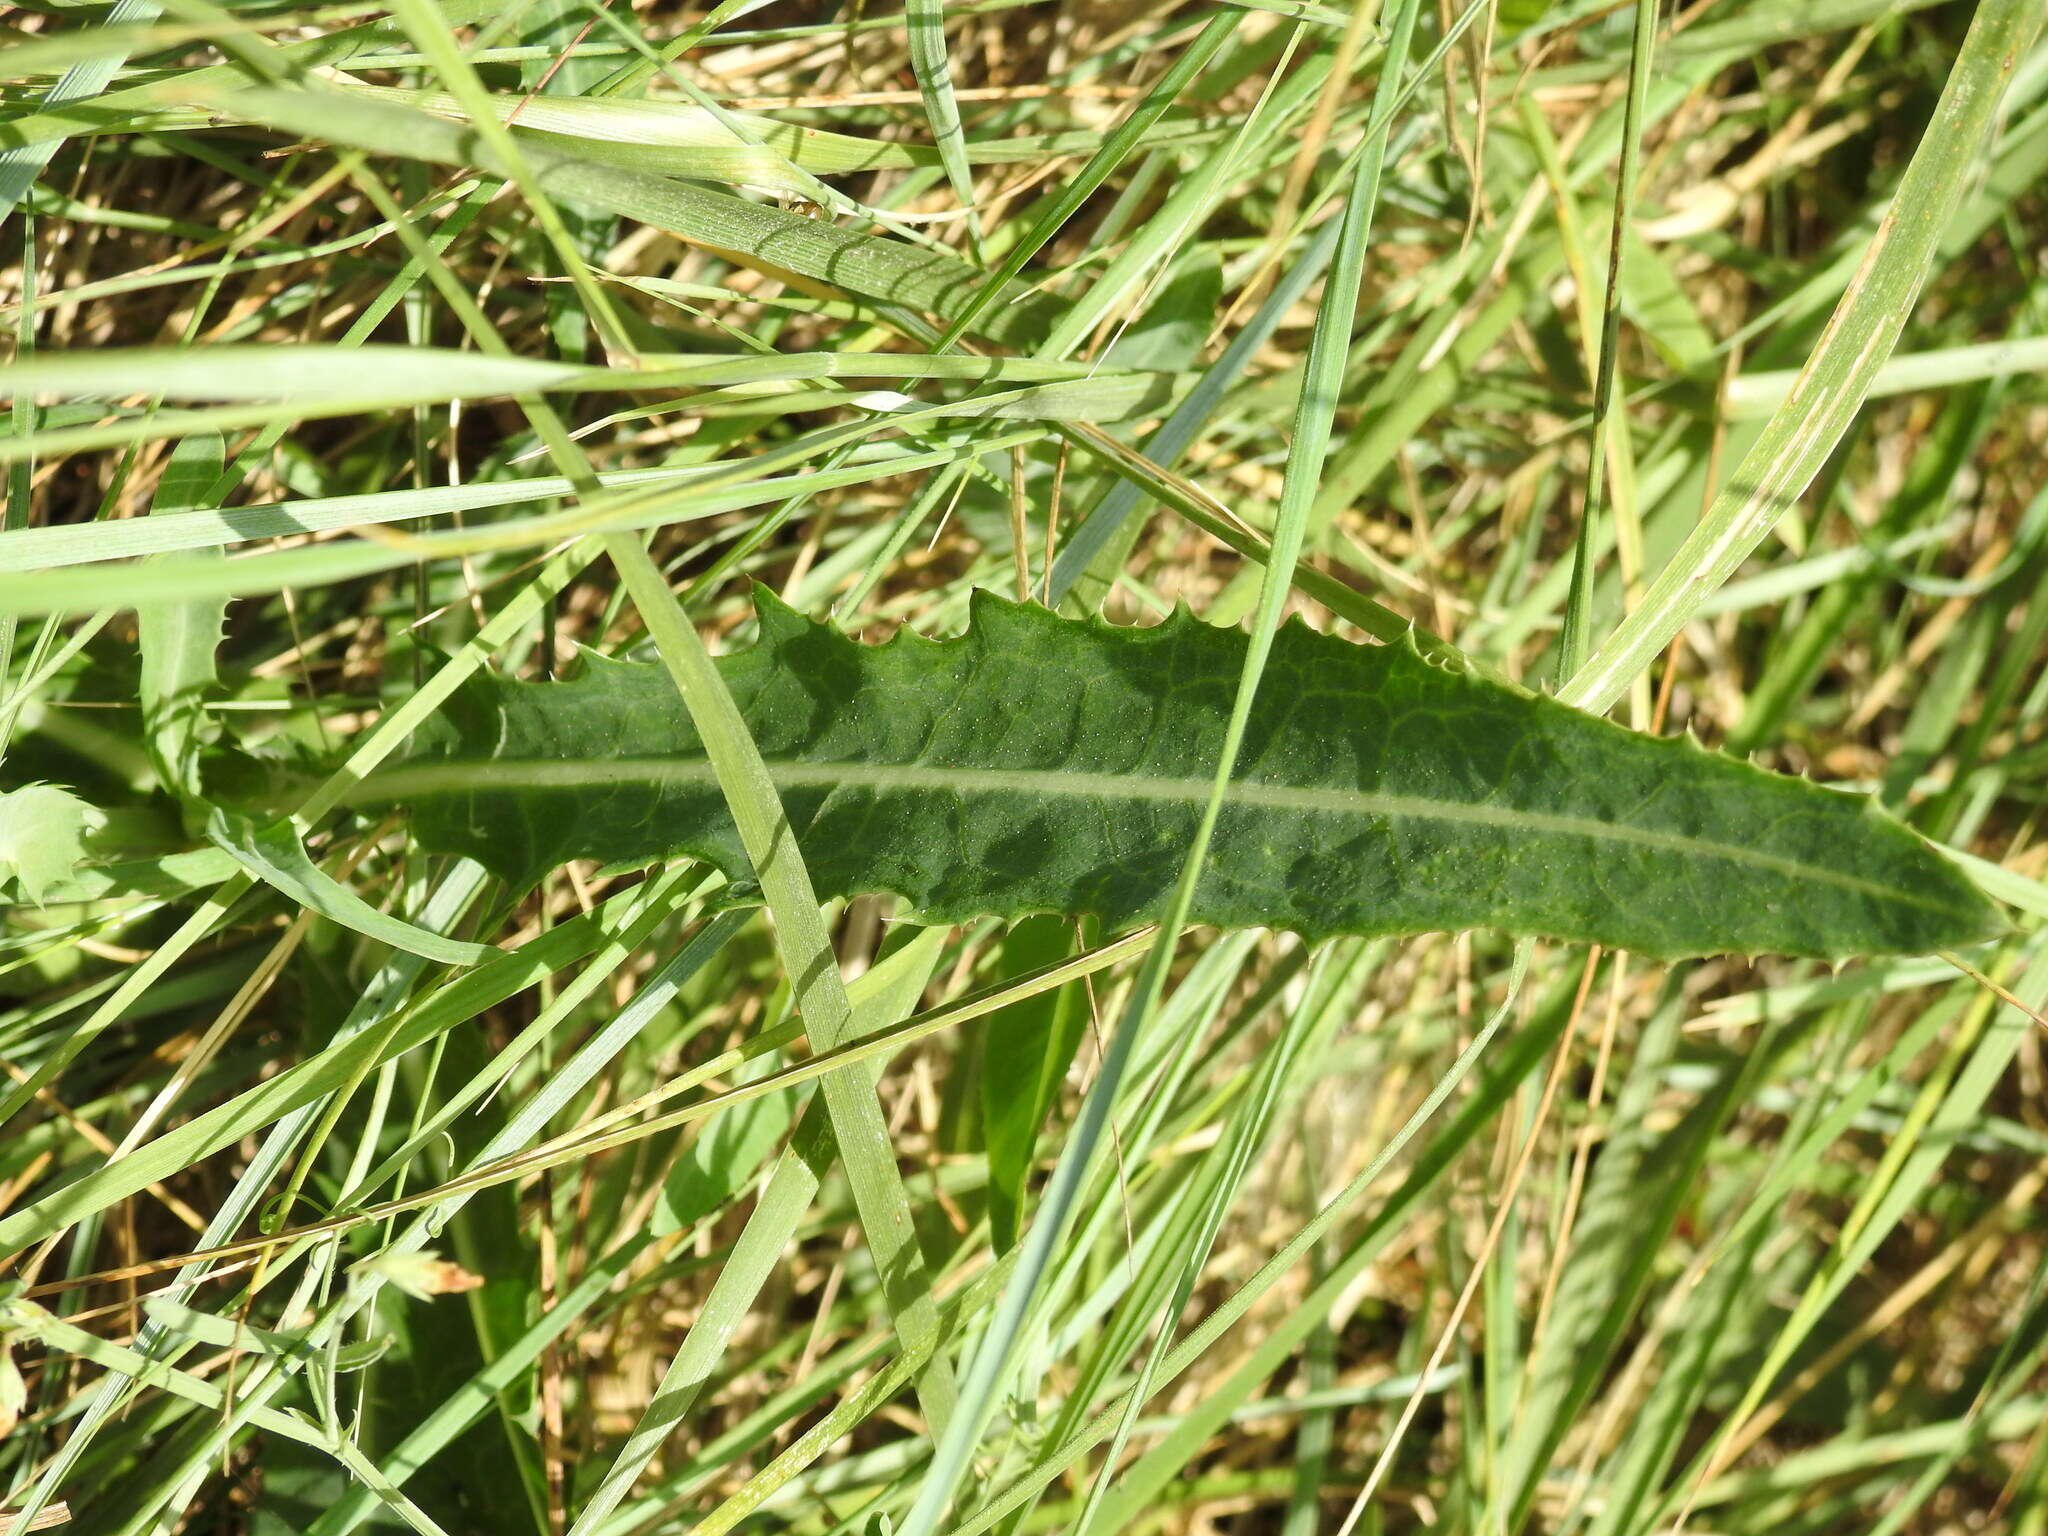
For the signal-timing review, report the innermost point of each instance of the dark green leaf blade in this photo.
(1038, 764)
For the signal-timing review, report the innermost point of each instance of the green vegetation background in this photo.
(357, 348)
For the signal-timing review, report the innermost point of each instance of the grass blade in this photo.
(1837, 378)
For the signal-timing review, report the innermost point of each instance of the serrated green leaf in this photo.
(1038, 764)
(42, 837)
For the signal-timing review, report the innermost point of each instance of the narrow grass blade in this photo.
(809, 961)
(1837, 378)
(968, 314)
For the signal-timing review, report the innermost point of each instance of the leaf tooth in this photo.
(906, 638)
(596, 664)
(910, 638)
(996, 622)
(1450, 664)
(986, 606)
(779, 622)
(1180, 620)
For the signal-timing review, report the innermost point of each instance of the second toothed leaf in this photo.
(1039, 764)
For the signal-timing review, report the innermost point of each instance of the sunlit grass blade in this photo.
(1831, 388)
(346, 342)
(815, 981)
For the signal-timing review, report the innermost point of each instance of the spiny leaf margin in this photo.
(1040, 764)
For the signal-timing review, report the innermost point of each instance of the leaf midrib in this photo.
(415, 779)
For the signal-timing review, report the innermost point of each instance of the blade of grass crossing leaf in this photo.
(394, 726)
(1089, 1348)
(808, 959)
(548, 426)
(995, 1357)
(1832, 386)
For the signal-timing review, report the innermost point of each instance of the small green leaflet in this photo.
(42, 838)
(1040, 764)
